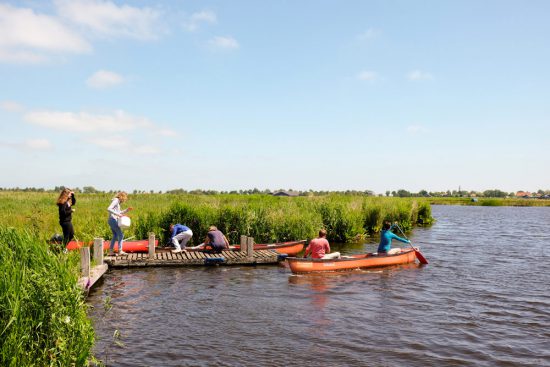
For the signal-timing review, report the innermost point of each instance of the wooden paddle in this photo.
(418, 254)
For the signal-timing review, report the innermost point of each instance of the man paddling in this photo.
(386, 235)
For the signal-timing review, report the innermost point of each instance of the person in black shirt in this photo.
(65, 203)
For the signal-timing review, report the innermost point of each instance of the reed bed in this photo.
(43, 319)
(264, 217)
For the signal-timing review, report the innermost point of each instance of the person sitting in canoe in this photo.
(215, 241)
(386, 235)
(180, 235)
(319, 248)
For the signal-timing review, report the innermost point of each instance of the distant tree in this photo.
(495, 193)
(388, 193)
(403, 193)
(423, 193)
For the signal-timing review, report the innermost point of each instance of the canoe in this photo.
(291, 248)
(348, 263)
(129, 246)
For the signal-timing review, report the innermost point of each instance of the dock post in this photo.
(243, 243)
(85, 261)
(249, 246)
(98, 251)
(151, 245)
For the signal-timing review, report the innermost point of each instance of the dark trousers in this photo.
(68, 232)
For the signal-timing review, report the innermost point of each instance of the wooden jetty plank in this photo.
(194, 258)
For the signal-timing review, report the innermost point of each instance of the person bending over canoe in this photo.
(384, 248)
(319, 247)
(215, 241)
(181, 234)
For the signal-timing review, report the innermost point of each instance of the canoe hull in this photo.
(128, 246)
(291, 248)
(361, 261)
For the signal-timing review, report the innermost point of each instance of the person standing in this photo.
(386, 235)
(65, 204)
(116, 212)
(319, 248)
(181, 234)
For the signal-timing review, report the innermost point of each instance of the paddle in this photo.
(418, 254)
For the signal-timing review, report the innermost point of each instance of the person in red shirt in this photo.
(319, 247)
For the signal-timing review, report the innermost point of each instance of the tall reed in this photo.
(43, 318)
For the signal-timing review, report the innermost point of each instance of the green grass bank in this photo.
(43, 319)
(264, 217)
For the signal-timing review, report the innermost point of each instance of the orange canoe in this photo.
(128, 246)
(291, 248)
(347, 263)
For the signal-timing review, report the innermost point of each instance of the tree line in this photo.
(493, 193)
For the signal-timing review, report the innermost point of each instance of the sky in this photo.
(230, 95)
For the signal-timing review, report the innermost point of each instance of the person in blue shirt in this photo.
(385, 240)
(180, 235)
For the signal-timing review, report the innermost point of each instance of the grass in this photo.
(43, 319)
(264, 217)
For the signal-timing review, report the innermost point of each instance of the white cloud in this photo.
(83, 122)
(112, 143)
(11, 106)
(196, 19)
(104, 79)
(146, 150)
(105, 18)
(38, 144)
(367, 75)
(167, 132)
(417, 129)
(227, 43)
(418, 75)
(33, 38)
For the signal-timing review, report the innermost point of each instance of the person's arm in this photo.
(393, 235)
(173, 233)
(327, 248)
(308, 250)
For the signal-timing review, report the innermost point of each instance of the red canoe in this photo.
(128, 246)
(291, 248)
(347, 263)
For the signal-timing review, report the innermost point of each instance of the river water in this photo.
(483, 300)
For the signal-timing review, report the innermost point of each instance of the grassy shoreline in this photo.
(264, 217)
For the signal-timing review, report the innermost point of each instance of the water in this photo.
(483, 300)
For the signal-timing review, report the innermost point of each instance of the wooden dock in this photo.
(193, 258)
(92, 271)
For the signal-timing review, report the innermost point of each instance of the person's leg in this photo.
(114, 228)
(186, 236)
(177, 239)
(66, 233)
(71, 231)
(332, 255)
(120, 240)
(394, 251)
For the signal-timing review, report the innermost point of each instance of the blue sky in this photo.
(322, 95)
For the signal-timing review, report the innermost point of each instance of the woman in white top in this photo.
(115, 213)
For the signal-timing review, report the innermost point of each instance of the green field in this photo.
(264, 217)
